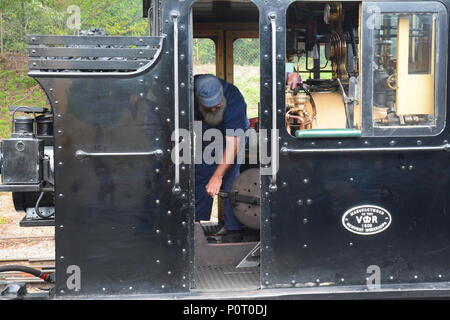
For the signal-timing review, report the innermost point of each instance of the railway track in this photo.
(34, 238)
(43, 264)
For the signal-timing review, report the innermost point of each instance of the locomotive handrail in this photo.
(444, 147)
(80, 154)
(274, 135)
(176, 188)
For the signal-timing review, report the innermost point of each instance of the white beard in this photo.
(213, 119)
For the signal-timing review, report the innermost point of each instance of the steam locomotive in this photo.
(354, 202)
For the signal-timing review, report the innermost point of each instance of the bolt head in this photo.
(176, 190)
(273, 187)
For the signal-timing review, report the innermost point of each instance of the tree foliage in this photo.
(116, 17)
(22, 17)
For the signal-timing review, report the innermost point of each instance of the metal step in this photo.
(226, 278)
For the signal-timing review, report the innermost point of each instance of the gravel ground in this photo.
(19, 249)
(31, 249)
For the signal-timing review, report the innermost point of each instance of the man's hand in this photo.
(231, 150)
(214, 185)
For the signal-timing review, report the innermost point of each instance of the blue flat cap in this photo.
(208, 90)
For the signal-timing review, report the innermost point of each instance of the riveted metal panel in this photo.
(110, 224)
(304, 242)
(119, 226)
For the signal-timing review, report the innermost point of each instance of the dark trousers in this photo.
(203, 202)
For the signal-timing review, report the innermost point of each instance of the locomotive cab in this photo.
(348, 101)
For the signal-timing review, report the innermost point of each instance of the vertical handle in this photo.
(154, 18)
(176, 188)
(274, 135)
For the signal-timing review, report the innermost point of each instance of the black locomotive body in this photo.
(353, 203)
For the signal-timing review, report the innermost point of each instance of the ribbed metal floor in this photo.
(226, 278)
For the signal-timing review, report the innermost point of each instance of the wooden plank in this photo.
(93, 40)
(230, 57)
(220, 56)
(31, 238)
(91, 52)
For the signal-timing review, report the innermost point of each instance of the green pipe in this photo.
(327, 133)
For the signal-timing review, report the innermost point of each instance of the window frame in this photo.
(218, 38)
(432, 7)
(231, 37)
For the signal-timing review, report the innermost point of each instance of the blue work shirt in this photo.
(234, 117)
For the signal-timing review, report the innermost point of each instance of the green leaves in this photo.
(22, 17)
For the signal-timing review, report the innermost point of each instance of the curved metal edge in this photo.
(143, 69)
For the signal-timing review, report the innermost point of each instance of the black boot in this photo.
(232, 236)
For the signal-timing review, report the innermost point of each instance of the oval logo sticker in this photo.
(366, 220)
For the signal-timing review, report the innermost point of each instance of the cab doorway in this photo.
(225, 44)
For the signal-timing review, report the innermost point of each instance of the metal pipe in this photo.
(176, 187)
(274, 135)
(445, 147)
(80, 154)
(48, 277)
(38, 211)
